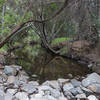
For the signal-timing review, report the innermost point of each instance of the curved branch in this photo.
(39, 21)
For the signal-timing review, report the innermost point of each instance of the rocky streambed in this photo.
(15, 84)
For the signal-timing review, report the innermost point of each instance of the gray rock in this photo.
(91, 79)
(8, 70)
(47, 97)
(54, 84)
(95, 88)
(86, 91)
(80, 96)
(62, 97)
(11, 79)
(76, 91)
(11, 91)
(21, 96)
(62, 81)
(1, 95)
(68, 95)
(1, 79)
(75, 83)
(17, 67)
(92, 97)
(49, 91)
(67, 87)
(8, 96)
(31, 87)
(23, 78)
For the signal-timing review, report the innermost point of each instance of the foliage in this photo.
(57, 40)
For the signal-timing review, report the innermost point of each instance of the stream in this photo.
(45, 67)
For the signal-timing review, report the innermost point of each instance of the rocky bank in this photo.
(15, 85)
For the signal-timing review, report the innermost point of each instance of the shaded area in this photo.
(46, 67)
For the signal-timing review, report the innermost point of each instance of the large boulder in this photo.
(93, 78)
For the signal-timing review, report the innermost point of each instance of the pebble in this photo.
(92, 97)
(20, 88)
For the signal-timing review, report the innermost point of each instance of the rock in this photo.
(11, 79)
(62, 81)
(67, 87)
(76, 91)
(62, 97)
(49, 97)
(80, 96)
(31, 87)
(75, 83)
(42, 96)
(95, 88)
(1, 79)
(86, 91)
(11, 91)
(53, 84)
(16, 67)
(34, 76)
(1, 95)
(23, 78)
(50, 91)
(92, 97)
(21, 96)
(8, 96)
(68, 95)
(91, 79)
(70, 76)
(34, 83)
(8, 70)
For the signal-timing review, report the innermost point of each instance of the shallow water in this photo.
(45, 67)
(51, 68)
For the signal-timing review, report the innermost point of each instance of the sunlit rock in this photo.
(91, 79)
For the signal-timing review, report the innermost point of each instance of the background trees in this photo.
(74, 22)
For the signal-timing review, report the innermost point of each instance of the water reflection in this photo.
(47, 67)
(51, 68)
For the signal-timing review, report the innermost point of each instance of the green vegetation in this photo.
(58, 40)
